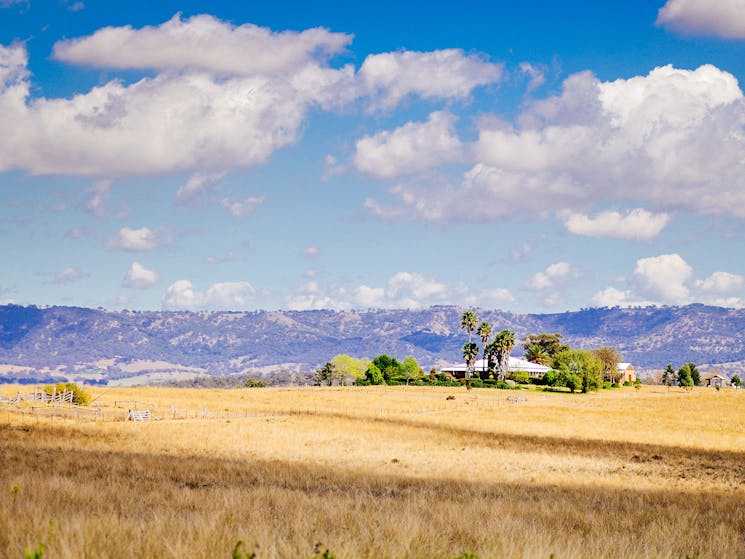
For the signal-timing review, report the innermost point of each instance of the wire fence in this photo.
(37, 406)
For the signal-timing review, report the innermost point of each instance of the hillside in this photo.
(38, 341)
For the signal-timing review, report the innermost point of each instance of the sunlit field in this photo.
(377, 472)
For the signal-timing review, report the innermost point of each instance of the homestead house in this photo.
(626, 373)
(717, 379)
(515, 364)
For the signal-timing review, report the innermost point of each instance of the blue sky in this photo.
(534, 156)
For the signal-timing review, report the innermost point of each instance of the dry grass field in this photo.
(379, 472)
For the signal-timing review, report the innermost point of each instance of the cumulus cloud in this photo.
(311, 251)
(222, 97)
(403, 290)
(553, 276)
(98, 197)
(242, 208)
(68, 275)
(663, 278)
(227, 257)
(718, 18)
(494, 298)
(672, 139)
(181, 295)
(195, 185)
(441, 74)
(134, 240)
(536, 75)
(312, 296)
(636, 225)
(415, 146)
(139, 277)
(669, 279)
(172, 122)
(204, 43)
(721, 283)
(551, 284)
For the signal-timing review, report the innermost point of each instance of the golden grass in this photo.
(382, 472)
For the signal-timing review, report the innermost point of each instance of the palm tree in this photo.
(484, 332)
(500, 350)
(537, 354)
(468, 322)
(470, 352)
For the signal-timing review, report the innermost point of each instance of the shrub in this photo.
(475, 383)
(520, 377)
(550, 378)
(627, 383)
(79, 396)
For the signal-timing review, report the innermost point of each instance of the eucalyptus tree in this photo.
(468, 322)
(609, 357)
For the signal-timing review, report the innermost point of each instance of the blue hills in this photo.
(73, 339)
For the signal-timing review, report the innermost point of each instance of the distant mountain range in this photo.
(106, 345)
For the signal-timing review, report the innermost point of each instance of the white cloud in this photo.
(311, 251)
(139, 277)
(495, 298)
(98, 197)
(195, 185)
(134, 240)
(672, 139)
(719, 18)
(669, 279)
(242, 208)
(721, 283)
(227, 257)
(551, 284)
(536, 75)
(173, 122)
(204, 43)
(181, 295)
(68, 275)
(663, 278)
(441, 74)
(403, 290)
(311, 296)
(415, 146)
(636, 225)
(553, 276)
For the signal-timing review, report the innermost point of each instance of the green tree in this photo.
(410, 369)
(537, 354)
(609, 357)
(684, 377)
(498, 352)
(549, 343)
(736, 381)
(350, 368)
(468, 322)
(669, 376)
(690, 370)
(579, 369)
(484, 332)
(326, 374)
(374, 375)
(470, 353)
(389, 366)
